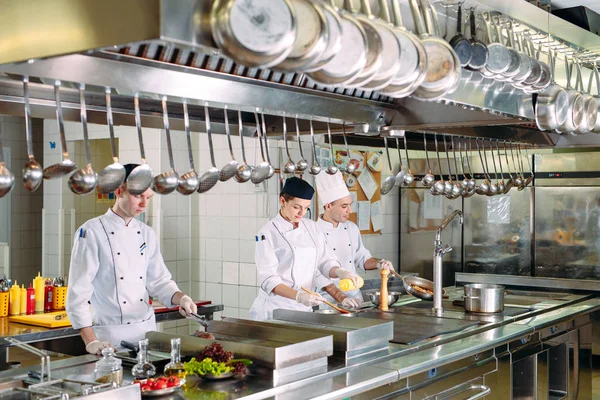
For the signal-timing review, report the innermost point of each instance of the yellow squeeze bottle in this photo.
(14, 300)
(38, 286)
(23, 295)
(347, 284)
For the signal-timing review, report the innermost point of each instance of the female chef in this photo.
(291, 253)
(116, 265)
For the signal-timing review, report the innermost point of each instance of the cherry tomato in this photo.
(160, 384)
(146, 387)
(173, 381)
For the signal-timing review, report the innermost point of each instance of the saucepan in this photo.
(484, 298)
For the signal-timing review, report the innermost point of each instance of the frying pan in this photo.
(575, 105)
(595, 75)
(590, 106)
(526, 65)
(498, 58)
(513, 56)
(409, 281)
(374, 45)
(552, 104)
(312, 36)
(479, 51)
(351, 58)
(546, 77)
(443, 65)
(460, 44)
(413, 69)
(257, 33)
(536, 69)
(334, 41)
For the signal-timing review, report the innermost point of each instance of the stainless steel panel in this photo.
(541, 375)
(531, 282)
(486, 357)
(558, 371)
(434, 385)
(582, 389)
(523, 379)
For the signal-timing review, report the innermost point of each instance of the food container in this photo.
(391, 298)
(109, 368)
(484, 298)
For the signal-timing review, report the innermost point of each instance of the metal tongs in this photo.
(44, 357)
(195, 317)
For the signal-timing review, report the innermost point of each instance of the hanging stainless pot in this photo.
(575, 108)
(257, 33)
(312, 37)
(351, 58)
(413, 57)
(443, 65)
(552, 104)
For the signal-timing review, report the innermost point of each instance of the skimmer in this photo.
(168, 181)
(228, 171)
(66, 166)
(112, 176)
(189, 182)
(85, 179)
(140, 179)
(210, 178)
(32, 172)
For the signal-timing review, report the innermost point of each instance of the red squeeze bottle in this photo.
(48, 295)
(30, 300)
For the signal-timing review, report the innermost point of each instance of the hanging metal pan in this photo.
(590, 106)
(334, 40)
(413, 69)
(460, 44)
(479, 51)
(536, 69)
(546, 77)
(312, 38)
(443, 65)
(575, 105)
(513, 56)
(552, 104)
(594, 75)
(350, 60)
(525, 66)
(374, 45)
(257, 33)
(498, 58)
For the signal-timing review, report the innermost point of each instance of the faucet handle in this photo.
(446, 249)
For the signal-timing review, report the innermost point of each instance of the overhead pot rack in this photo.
(170, 52)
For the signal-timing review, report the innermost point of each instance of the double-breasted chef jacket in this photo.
(114, 269)
(295, 257)
(346, 242)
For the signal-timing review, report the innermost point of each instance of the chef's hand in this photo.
(344, 274)
(384, 264)
(351, 302)
(96, 346)
(187, 306)
(309, 300)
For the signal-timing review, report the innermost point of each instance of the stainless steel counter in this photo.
(390, 372)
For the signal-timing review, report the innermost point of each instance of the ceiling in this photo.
(591, 4)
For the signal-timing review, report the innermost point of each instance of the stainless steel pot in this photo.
(484, 298)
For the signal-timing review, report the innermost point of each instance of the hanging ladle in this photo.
(140, 178)
(438, 186)
(409, 178)
(517, 180)
(261, 172)
(315, 167)
(264, 132)
(168, 181)
(290, 166)
(459, 184)
(468, 184)
(113, 175)
(302, 164)
(510, 182)
(7, 179)
(189, 182)
(210, 178)
(522, 167)
(243, 170)
(85, 179)
(32, 172)
(350, 166)
(483, 187)
(451, 190)
(228, 171)
(499, 183)
(493, 188)
(389, 182)
(399, 179)
(429, 178)
(502, 187)
(530, 177)
(331, 169)
(66, 166)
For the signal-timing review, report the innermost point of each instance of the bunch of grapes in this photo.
(239, 368)
(216, 353)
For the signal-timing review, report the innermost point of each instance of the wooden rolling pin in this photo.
(383, 292)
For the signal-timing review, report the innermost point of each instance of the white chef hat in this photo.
(331, 187)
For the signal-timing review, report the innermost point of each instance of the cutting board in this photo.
(46, 320)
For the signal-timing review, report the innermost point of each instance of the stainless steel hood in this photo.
(172, 53)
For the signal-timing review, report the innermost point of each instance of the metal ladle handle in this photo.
(168, 132)
(387, 152)
(138, 124)
(300, 141)
(241, 134)
(60, 120)
(447, 157)
(228, 133)
(28, 134)
(188, 136)
(285, 140)
(84, 124)
(209, 134)
(110, 122)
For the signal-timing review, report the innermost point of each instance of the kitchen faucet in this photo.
(438, 253)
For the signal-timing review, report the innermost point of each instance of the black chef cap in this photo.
(297, 187)
(129, 168)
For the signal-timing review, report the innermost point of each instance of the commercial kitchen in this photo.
(465, 133)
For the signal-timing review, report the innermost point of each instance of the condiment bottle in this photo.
(30, 300)
(175, 367)
(14, 307)
(347, 284)
(39, 284)
(48, 295)
(144, 369)
(109, 368)
(23, 296)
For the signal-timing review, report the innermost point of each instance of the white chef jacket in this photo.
(346, 242)
(114, 269)
(294, 257)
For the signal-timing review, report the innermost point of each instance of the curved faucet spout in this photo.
(438, 234)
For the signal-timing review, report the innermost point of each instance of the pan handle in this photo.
(130, 346)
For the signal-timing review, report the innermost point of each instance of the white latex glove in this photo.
(309, 300)
(187, 306)
(96, 346)
(351, 302)
(343, 274)
(384, 264)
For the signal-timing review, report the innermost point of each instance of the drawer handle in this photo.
(485, 390)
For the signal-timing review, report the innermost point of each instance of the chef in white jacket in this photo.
(116, 264)
(290, 254)
(342, 235)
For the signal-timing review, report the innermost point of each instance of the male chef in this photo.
(116, 265)
(343, 236)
